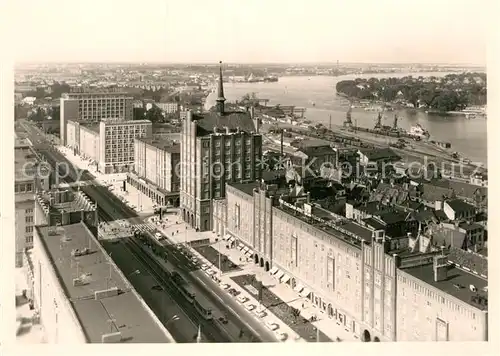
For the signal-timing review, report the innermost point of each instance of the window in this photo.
(29, 211)
(29, 219)
(29, 239)
(29, 229)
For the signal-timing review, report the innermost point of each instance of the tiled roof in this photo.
(459, 205)
(432, 192)
(425, 216)
(206, 122)
(386, 193)
(469, 191)
(470, 226)
(374, 223)
(472, 261)
(393, 217)
(376, 154)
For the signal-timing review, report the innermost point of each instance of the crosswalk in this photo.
(145, 227)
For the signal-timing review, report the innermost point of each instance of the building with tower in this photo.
(217, 147)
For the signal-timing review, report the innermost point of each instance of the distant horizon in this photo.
(216, 63)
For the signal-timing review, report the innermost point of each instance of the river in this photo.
(469, 137)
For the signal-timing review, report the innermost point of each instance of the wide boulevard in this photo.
(177, 315)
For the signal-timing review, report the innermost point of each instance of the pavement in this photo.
(137, 200)
(175, 229)
(177, 232)
(111, 208)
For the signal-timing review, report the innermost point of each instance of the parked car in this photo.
(260, 313)
(242, 299)
(272, 326)
(282, 336)
(225, 286)
(250, 307)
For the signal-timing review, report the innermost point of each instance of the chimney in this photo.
(397, 260)
(440, 267)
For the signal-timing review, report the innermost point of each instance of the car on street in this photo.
(260, 313)
(225, 286)
(250, 307)
(204, 267)
(281, 336)
(159, 236)
(242, 299)
(223, 320)
(272, 326)
(234, 292)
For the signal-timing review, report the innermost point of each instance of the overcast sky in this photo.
(385, 31)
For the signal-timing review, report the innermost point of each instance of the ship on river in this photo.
(416, 132)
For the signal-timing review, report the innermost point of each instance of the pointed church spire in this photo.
(220, 97)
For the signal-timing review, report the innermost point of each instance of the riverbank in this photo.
(466, 136)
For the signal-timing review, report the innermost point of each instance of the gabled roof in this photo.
(431, 192)
(393, 217)
(374, 223)
(376, 154)
(386, 193)
(459, 205)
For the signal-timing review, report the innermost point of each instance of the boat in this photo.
(418, 131)
(271, 78)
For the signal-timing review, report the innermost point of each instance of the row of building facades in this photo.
(385, 277)
(378, 269)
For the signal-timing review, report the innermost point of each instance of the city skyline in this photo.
(307, 32)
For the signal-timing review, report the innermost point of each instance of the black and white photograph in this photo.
(232, 171)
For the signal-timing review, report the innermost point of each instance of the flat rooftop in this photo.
(24, 158)
(246, 188)
(93, 126)
(359, 231)
(163, 144)
(131, 318)
(457, 284)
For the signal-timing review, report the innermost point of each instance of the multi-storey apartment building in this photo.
(378, 287)
(31, 175)
(169, 108)
(116, 144)
(216, 147)
(94, 107)
(109, 143)
(156, 170)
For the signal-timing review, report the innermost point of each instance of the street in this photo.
(111, 208)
